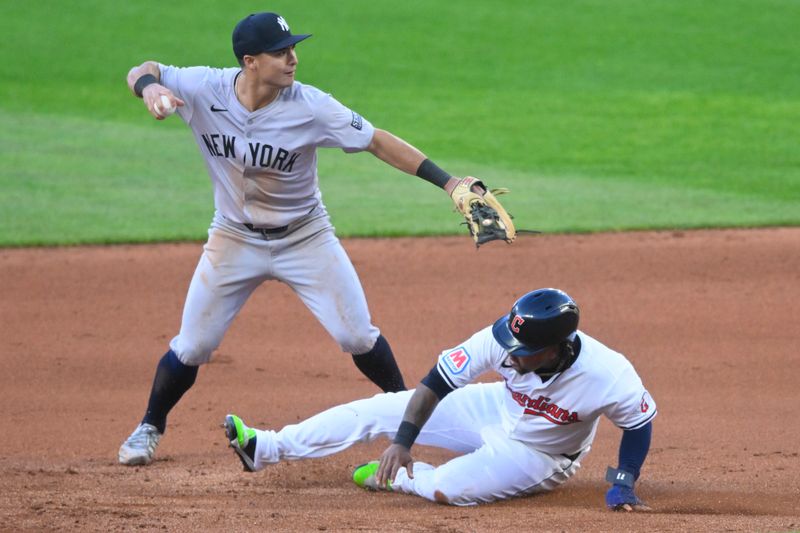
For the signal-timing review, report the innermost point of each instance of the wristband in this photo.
(406, 434)
(430, 172)
(619, 477)
(142, 82)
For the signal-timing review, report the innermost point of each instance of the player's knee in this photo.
(359, 343)
(195, 355)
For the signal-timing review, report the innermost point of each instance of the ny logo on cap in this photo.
(282, 23)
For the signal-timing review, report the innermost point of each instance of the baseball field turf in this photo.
(598, 115)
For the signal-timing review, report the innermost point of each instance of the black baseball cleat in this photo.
(243, 441)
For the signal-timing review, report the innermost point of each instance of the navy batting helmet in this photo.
(539, 319)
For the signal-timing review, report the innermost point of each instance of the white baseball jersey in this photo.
(263, 164)
(561, 414)
(518, 436)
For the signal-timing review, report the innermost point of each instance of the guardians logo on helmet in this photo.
(538, 320)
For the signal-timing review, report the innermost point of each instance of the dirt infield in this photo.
(709, 318)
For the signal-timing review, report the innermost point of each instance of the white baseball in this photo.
(165, 107)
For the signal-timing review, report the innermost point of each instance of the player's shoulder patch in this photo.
(646, 402)
(456, 360)
(357, 122)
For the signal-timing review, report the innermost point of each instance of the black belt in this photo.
(572, 457)
(266, 231)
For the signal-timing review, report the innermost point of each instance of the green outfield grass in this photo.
(598, 115)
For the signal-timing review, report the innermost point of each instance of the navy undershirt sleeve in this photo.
(633, 449)
(437, 384)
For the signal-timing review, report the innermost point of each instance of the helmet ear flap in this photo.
(566, 356)
(566, 350)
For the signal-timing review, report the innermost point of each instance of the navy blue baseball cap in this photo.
(263, 32)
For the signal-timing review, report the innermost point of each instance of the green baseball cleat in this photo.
(243, 441)
(365, 476)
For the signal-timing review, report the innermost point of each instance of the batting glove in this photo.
(617, 496)
(620, 497)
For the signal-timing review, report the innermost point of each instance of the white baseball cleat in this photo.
(140, 446)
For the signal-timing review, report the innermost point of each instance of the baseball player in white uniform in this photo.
(524, 434)
(258, 131)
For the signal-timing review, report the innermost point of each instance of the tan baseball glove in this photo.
(485, 217)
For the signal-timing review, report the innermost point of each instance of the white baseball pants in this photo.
(493, 466)
(308, 257)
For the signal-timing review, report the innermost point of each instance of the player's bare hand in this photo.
(394, 457)
(160, 101)
(633, 508)
(475, 186)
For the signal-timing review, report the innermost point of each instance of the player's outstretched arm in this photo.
(632, 452)
(486, 218)
(143, 81)
(395, 151)
(398, 454)
(398, 153)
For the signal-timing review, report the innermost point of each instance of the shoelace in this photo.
(142, 434)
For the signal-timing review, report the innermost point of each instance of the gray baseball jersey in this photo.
(263, 164)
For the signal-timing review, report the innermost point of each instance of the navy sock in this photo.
(380, 367)
(172, 379)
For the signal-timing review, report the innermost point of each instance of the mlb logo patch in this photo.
(356, 122)
(456, 361)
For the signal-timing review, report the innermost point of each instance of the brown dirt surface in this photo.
(709, 319)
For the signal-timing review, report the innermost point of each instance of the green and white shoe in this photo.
(365, 476)
(243, 441)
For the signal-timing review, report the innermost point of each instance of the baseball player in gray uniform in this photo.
(258, 131)
(524, 434)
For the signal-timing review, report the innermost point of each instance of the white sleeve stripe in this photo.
(445, 376)
(642, 423)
